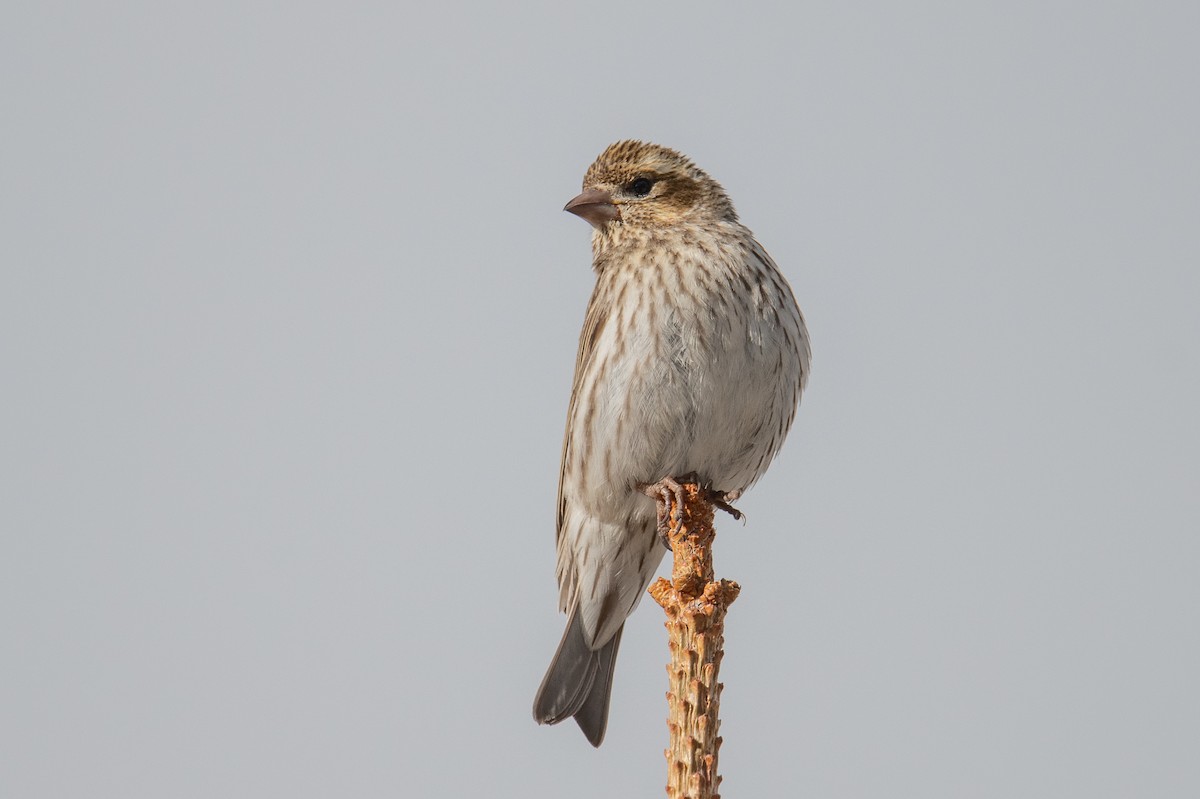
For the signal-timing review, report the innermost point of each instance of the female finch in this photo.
(691, 361)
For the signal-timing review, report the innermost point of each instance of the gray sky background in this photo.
(288, 315)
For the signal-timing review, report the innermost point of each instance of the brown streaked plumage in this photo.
(692, 358)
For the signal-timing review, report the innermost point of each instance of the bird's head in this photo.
(635, 184)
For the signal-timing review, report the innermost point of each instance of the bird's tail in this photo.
(578, 682)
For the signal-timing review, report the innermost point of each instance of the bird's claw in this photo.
(672, 488)
(721, 499)
(663, 492)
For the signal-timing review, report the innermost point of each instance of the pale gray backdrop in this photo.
(288, 316)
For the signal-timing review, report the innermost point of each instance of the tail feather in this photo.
(578, 683)
(592, 716)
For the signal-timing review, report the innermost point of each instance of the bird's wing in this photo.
(593, 326)
(793, 327)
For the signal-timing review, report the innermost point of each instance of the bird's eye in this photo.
(641, 186)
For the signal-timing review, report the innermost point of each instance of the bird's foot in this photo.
(671, 488)
(721, 499)
(662, 493)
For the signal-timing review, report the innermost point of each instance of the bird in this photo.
(691, 361)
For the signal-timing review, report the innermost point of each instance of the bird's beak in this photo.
(594, 205)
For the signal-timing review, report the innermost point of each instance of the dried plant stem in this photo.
(695, 604)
